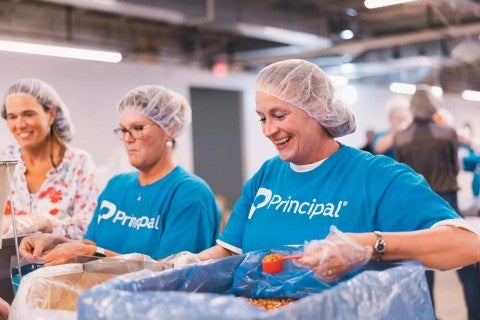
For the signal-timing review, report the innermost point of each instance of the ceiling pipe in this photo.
(352, 47)
(209, 15)
(373, 4)
(294, 44)
(370, 69)
(126, 9)
(141, 11)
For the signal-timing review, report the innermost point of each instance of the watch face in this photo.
(380, 246)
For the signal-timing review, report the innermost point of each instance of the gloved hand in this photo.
(180, 259)
(35, 246)
(25, 224)
(334, 256)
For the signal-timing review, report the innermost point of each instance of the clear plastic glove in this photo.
(335, 256)
(25, 224)
(66, 252)
(35, 246)
(180, 259)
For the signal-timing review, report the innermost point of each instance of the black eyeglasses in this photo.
(135, 132)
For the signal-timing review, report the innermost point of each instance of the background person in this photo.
(475, 206)
(398, 118)
(160, 209)
(53, 188)
(430, 147)
(315, 182)
(470, 161)
(369, 134)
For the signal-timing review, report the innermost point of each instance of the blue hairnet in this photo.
(48, 97)
(305, 86)
(168, 109)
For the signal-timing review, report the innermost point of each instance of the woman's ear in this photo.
(172, 129)
(53, 114)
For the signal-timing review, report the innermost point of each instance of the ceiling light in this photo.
(348, 68)
(372, 4)
(471, 95)
(346, 34)
(407, 88)
(60, 51)
(351, 12)
(404, 88)
(437, 91)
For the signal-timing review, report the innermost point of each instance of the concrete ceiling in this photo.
(433, 41)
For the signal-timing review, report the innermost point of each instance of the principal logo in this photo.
(118, 216)
(266, 198)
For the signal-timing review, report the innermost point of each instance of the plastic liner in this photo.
(52, 292)
(217, 290)
(293, 282)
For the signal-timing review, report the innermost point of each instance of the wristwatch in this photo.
(380, 245)
(99, 252)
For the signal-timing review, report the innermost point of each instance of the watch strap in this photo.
(99, 252)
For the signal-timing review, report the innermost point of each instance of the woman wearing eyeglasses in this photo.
(53, 186)
(159, 210)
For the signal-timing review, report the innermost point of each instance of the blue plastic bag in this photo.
(216, 290)
(294, 281)
(26, 266)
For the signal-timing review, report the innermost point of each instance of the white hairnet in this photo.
(48, 97)
(424, 104)
(399, 114)
(398, 105)
(163, 106)
(305, 86)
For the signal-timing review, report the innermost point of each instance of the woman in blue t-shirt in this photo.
(383, 209)
(159, 210)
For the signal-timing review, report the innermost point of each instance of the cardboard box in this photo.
(52, 292)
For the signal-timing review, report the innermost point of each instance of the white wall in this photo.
(92, 89)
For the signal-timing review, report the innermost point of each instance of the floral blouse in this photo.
(67, 197)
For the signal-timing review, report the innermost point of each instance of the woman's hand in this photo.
(4, 309)
(66, 252)
(335, 256)
(180, 259)
(35, 246)
(26, 224)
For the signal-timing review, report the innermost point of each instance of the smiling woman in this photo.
(54, 188)
(292, 130)
(158, 210)
(349, 205)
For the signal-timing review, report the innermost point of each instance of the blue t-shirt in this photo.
(175, 213)
(352, 189)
